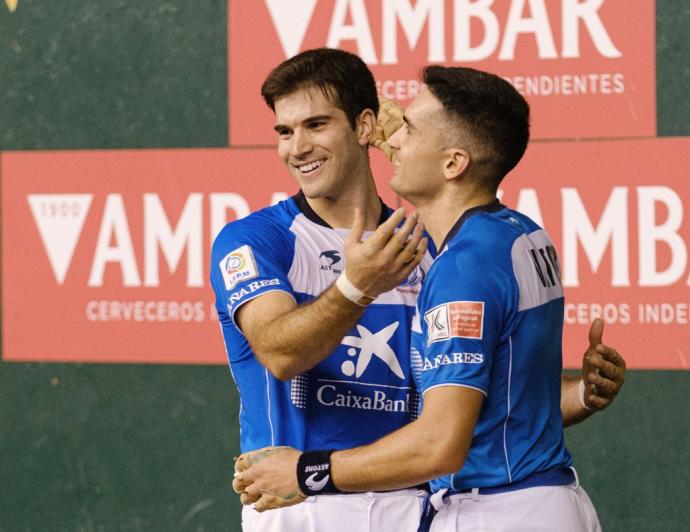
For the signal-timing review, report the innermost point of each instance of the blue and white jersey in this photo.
(364, 389)
(490, 317)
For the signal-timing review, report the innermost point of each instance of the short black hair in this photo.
(344, 79)
(488, 108)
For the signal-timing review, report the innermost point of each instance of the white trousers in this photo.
(543, 508)
(393, 511)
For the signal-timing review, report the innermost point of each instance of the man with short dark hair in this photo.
(486, 337)
(320, 356)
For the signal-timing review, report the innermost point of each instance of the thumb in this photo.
(596, 332)
(357, 228)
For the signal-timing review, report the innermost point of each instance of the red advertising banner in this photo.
(587, 67)
(105, 253)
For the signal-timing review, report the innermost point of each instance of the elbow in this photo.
(446, 464)
(280, 367)
(283, 373)
(446, 458)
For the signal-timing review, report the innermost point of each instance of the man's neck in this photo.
(440, 214)
(338, 211)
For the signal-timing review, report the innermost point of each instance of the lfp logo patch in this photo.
(238, 266)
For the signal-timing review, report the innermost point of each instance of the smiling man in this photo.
(316, 321)
(486, 339)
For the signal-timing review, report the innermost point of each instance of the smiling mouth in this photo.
(311, 167)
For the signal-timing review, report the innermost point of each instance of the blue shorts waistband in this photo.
(556, 476)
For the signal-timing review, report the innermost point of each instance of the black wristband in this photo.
(314, 473)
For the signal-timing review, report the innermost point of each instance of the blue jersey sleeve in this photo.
(462, 310)
(249, 258)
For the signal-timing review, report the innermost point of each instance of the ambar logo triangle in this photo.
(60, 219)
(291, 20)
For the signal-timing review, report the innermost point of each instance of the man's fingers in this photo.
(607, 369)
(249, 498)
(596, 332)
(357, 230)
(596, 402)
(266, 502)
(246, 460)
(412, 244)
(386, 230)
(239, 484)
(241, 463)
(414, 257)
(604, 387)
(271, 501)
(610, 354)
(399, 240)
(250, 494)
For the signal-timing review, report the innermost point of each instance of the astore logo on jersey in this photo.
(329, 259)
(237, 266)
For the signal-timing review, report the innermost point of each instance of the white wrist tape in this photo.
(581, 395)
(350, 291)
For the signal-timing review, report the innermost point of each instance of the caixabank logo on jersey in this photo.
(587, 67)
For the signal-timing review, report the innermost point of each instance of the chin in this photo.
(396, 186)
(313, 190)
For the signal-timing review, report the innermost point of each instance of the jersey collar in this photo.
(494, 206)
(303, 205)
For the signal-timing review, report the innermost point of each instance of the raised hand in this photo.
(385, 259)
(603, 370)
(388, 121)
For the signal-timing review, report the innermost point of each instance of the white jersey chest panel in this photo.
(320, 258)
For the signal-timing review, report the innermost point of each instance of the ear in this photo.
(455, 164)
(365, 126)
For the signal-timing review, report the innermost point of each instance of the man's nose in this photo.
(301, 143)
(394, 140)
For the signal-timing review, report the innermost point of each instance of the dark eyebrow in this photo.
(316, 118)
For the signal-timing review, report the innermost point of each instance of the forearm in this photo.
(302, 337)
(410, 456)
(435, 444)
(572, 409)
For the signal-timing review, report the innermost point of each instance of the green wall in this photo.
(149, 448)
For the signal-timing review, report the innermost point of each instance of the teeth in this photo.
(311, 166)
